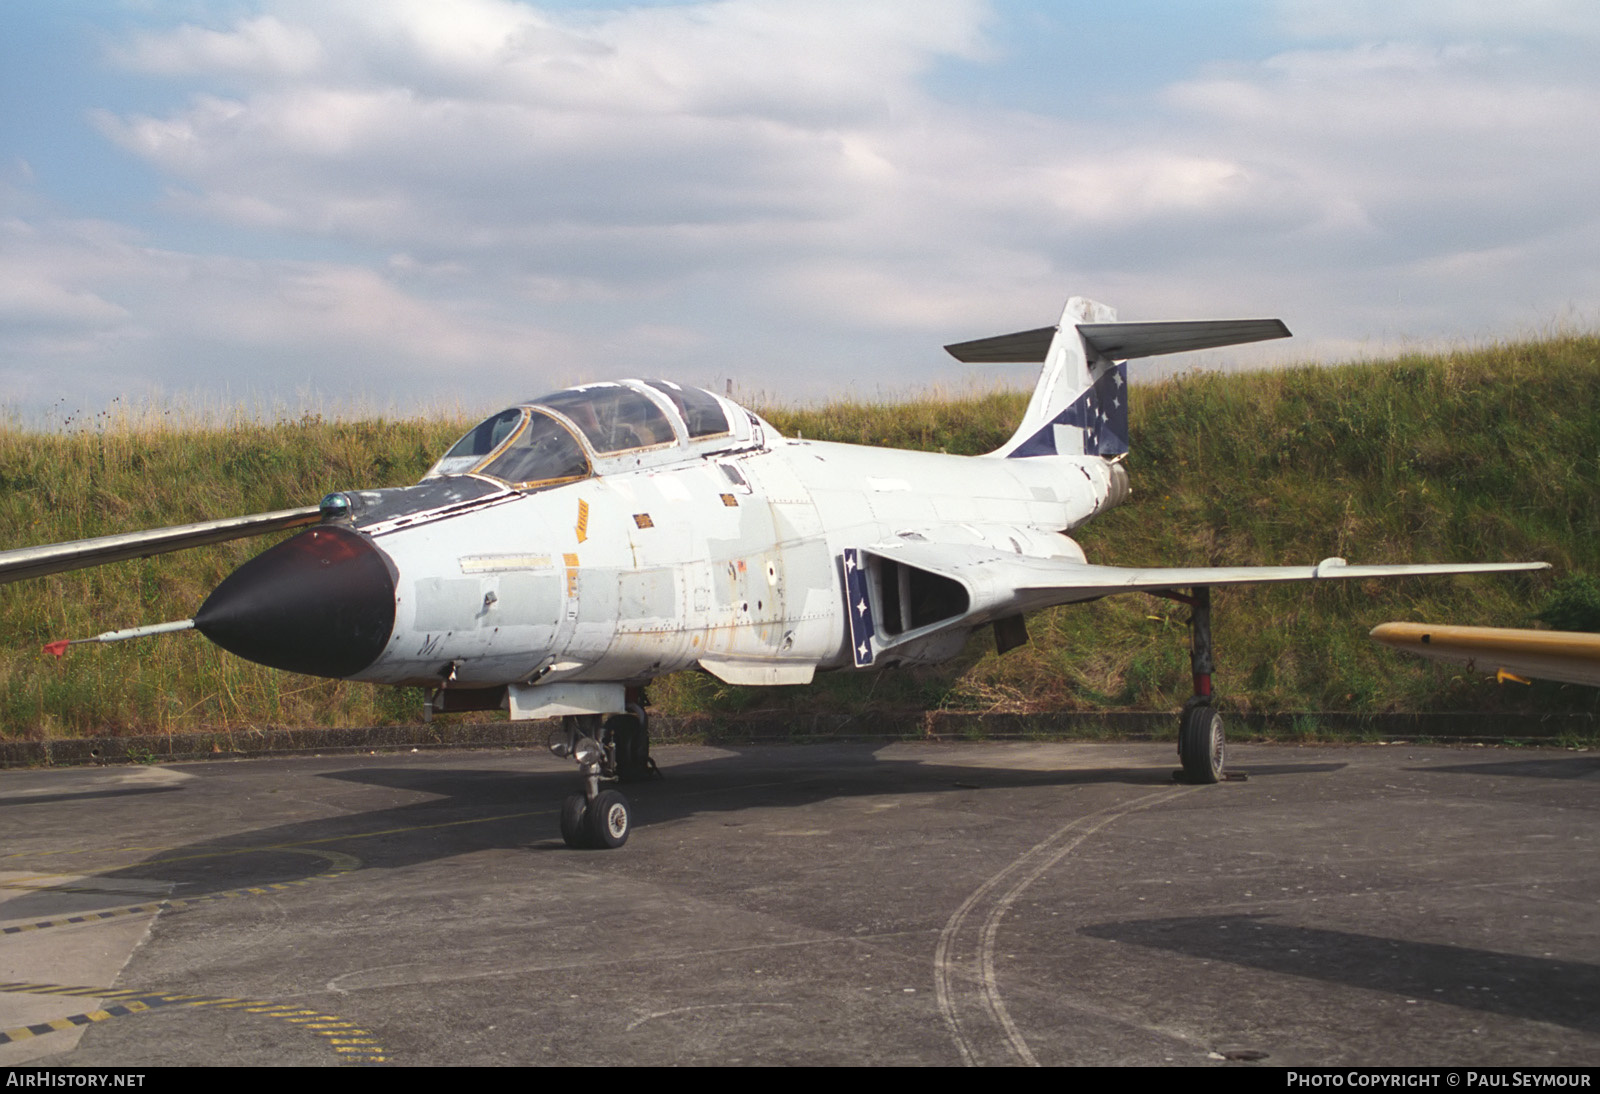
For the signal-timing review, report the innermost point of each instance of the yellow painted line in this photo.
(79, 851)
(27, 885)
(41, 1029)
(352, 1044)
(343, 864)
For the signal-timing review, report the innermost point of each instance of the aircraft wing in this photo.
(1102, 580)
(1570, 656)
(56, 557)
(999, 583)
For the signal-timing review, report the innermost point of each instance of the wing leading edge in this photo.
(78, 554)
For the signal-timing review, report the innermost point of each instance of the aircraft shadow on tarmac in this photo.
(1565, 993)
(83, 795)
(1565, 767)
(474, 810)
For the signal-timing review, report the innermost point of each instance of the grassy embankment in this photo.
(1478, 455)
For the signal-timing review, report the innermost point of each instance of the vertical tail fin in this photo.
(1080, 406)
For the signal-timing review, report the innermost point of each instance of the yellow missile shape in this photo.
(1569, 656)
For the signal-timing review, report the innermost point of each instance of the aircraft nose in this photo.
(321, 603)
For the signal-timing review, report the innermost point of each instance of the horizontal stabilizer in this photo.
(1121, 341)
(57, 557)
(1023, 347)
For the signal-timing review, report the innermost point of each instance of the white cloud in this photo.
(38, 291)
(121, 316)
(1434, 149)
(263, 46)
(552, 195)
(1492, 19)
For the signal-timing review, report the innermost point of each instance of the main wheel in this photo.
(608, 820)
(574, 832)
(1200, 744)
(632, 747)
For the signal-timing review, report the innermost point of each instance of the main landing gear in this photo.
(1201, 747)
(616, 749)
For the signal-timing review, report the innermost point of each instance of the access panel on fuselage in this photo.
(807, 625)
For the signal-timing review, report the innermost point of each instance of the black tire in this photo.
(608, 820)
(1201, 746)
(574, 830)
(631, 746)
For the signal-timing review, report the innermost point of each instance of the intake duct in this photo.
(913, 598)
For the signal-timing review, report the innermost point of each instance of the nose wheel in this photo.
(606, 820)
(601, 824)
(573, 814)
(596, 819)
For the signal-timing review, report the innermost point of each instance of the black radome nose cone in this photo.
(321, 603)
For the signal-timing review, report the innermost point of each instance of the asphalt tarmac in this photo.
(984, 903)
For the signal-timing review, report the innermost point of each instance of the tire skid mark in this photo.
(967, 988)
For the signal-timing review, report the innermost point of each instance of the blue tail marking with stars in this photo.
(1094, 424)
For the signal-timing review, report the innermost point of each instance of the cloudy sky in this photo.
(441, 203)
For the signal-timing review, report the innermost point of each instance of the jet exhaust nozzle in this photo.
(1120, 489)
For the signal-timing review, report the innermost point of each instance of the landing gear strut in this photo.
(1201, 747)
(591, 818)
(616, 750)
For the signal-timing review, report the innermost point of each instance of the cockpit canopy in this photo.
(559, 438)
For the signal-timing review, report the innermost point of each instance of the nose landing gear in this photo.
(591, 818)
(616, 750)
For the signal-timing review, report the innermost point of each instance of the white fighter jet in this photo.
(572, 548)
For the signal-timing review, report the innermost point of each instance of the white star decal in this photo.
(862, 607)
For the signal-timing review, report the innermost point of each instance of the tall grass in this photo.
(1483, 454)
(118, 473)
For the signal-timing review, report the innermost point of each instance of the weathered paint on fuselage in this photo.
(729, 560)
